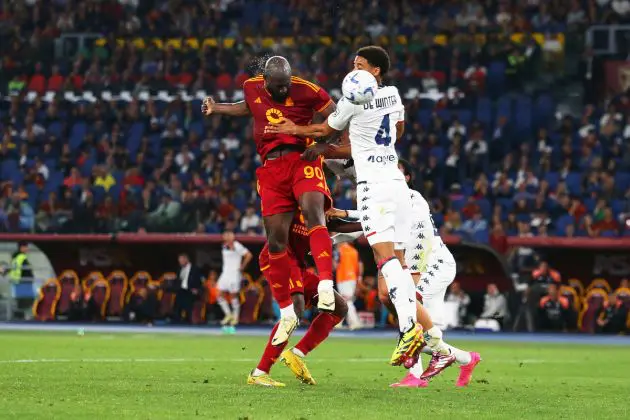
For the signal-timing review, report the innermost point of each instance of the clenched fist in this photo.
(207, 106)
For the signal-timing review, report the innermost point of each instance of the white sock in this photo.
(297, 352)
(398, 286)
(325, 285)
(417, 369)
(223, 304)
(287, 312)
(236, 308)
(352, 316)
(462, 357)
(258, 372)
(434, 341)
(412, 285)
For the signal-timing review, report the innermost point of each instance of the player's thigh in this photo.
(310, 189)
(347, 289)
(277, 227)
(403, 219)
(377, 212)
(274, 188)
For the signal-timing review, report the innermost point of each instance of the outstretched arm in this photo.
(236, 109)
(289, 127)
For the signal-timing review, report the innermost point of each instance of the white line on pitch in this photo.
(245, 360)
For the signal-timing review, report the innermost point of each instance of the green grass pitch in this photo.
(151, 376)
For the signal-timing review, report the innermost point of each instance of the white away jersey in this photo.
(232, 258)
(372, 134)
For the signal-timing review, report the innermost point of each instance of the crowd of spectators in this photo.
(97, 163)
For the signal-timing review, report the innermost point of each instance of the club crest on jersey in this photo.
(274, 115)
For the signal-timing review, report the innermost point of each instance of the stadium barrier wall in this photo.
(478, 265)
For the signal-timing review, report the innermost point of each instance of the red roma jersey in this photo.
(304, 100)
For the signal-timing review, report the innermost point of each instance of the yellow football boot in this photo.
(408, 344)
(297, 366)
(264, 380)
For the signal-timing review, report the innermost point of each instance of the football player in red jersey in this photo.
(302, 289)
(288, 179)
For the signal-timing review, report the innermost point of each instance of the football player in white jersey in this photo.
(382, 193)
(433, 269)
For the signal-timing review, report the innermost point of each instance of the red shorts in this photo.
(283, 180)
(302, 281)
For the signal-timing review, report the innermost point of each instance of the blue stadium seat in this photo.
(77, 135)
(574, 182)
(484, 111)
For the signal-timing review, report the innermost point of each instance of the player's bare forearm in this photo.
(343, 226)
(236, 109)
(313, 130)
(246, 260)
(342, 151)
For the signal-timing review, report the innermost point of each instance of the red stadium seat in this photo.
(100, 293)
(186, 79)
(89, 280)
(77, 81)
(570, 293)
(224, 81)
(118, 284)
(252, 298)
(140, 280)
(594, 303)
(37, 83)
(45, 306)
(68, 280)
(577, 285)
(599, 284)
(173, 79)
(167, 295)
(55, 83)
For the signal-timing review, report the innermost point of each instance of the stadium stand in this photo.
(105, 134)
(102, 130)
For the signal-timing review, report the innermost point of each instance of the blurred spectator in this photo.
(250, 220)
(545, 275)
(494, 305)
(555, 312)
(165, 216)
(614, 319)
(457, 295)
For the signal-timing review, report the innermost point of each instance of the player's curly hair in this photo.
(376, 56)
(407, 171)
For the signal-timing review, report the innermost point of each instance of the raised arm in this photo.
(236, 109)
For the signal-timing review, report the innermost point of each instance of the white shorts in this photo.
(230, 283)
(438, 274)
(385, 209)
(347, 289)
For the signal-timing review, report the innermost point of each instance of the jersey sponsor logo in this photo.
(382, 159)
(274, 115)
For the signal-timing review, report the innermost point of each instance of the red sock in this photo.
(319, 330)
(321, 248)
(278, 275)
(271, 353)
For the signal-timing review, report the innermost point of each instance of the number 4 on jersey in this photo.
(382, 136)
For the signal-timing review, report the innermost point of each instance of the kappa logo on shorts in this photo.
(367, 229)
(425, 281)
(421, 235)
(416, 257)
(441, 261)
(366, 189)
(435, 266)
(418, 246)
(366, 218)
(430, 273)
(364, 208)
(421, 288)
(366, 198)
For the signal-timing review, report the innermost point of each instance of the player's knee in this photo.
(276, 244)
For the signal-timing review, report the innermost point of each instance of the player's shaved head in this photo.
(277, 74)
